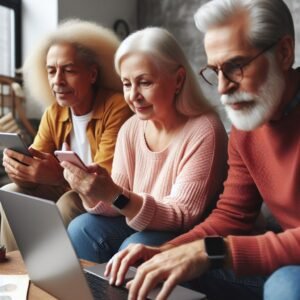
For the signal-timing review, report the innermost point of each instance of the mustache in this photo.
(61, 90)
(237, 97)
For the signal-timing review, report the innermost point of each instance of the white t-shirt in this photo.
(79, 141)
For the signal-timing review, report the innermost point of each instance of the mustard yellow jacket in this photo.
(110, 111)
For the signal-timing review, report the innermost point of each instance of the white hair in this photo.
(270, 20)
(168, 54)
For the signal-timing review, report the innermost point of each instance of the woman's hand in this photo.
(119, 264)
(93, 185)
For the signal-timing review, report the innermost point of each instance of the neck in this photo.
(158, 135)
(86, 106)
(169, 124)
(292, 86)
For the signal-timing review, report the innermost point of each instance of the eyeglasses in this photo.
(231, 71)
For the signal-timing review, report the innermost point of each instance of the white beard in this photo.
(263, 105)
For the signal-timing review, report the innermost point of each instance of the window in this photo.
(10, 36)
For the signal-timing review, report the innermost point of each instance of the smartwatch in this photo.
(216, 251)
(120, 202)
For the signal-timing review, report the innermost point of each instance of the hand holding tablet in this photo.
(14, 141)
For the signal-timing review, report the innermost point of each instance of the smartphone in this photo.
(14, 142)
(71, 157)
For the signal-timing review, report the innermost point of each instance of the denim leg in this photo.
(284, 283)
(98, 238)
(150, 238)
(224, 285)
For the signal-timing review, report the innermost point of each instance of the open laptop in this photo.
(50, 259)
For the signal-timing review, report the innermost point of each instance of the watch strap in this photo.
(216, 263)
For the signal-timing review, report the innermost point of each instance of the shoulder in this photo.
(130, 132)
(206, 124)
(116, 98)
(111, 104)
(55, 111)
(133, 124)
(110, 98)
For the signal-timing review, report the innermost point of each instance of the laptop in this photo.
(50, 259)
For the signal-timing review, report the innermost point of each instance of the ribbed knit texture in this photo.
(178, 183)
(263, 164)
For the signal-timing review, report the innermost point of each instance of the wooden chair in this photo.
(12, 105)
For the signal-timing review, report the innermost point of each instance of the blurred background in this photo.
(23, 22)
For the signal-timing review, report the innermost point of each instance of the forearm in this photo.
(105, 206)
(201, 258)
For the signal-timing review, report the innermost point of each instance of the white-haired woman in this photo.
(72, 68)
(170, 158)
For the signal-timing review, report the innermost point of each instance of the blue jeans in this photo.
(98, 238)
(284, 283)
(223, 285)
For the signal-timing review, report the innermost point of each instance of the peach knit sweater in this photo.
(178, 183)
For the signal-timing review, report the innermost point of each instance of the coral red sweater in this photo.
(263, 165)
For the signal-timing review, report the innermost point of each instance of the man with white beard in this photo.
(250, 53)
(262, 105)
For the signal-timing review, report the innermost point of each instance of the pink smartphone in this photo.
(71, 157)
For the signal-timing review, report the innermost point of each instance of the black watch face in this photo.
(214, 246)
(121, 201)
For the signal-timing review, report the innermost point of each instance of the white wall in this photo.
(42, 16)
(104, 12)
(38, 18)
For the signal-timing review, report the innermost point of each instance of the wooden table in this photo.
(14, 265)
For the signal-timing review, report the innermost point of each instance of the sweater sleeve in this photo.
(264, 254)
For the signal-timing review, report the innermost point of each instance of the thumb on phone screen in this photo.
(65, 146)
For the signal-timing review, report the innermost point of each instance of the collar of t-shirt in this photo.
(78, 137)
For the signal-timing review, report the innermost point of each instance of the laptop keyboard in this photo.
(102, 290)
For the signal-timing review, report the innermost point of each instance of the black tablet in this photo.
(14, 142)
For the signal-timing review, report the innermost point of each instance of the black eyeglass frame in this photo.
(234, 66)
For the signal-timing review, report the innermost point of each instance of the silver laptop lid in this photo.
(48, 253)
(46, 249)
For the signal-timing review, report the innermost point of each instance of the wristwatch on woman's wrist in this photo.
(121, 201)
(216, 251)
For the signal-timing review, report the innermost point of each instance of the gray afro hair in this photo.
(101, 41)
